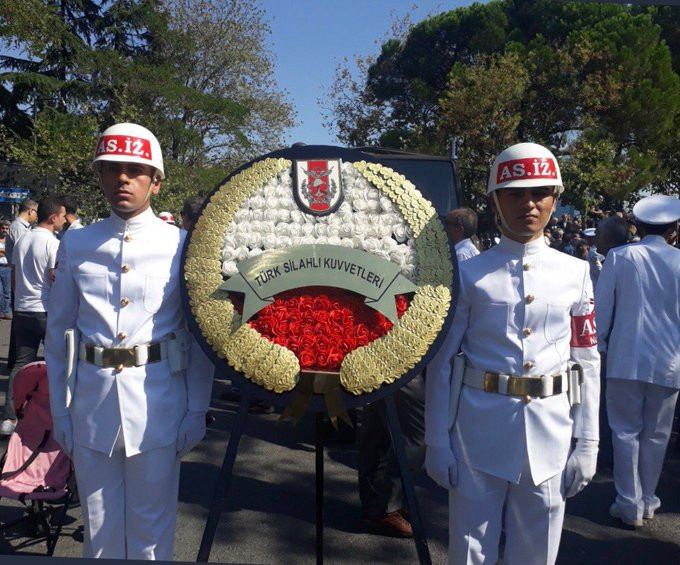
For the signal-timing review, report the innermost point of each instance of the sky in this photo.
(310, 37)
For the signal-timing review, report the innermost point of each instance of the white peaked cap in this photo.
(658, 209)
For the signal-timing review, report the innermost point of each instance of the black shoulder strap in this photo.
(28, 461)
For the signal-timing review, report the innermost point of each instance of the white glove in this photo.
(441, 466)
(191, 431)
(62, 432)
(581, 466)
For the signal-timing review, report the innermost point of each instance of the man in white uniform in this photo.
(461, 225)
(142, 386)
(504, 438)
(638, 325)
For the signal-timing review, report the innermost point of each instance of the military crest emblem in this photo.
(318, 185)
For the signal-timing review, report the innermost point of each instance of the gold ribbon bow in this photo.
(310, 383)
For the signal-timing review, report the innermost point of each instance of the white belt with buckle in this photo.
(125, 356)
(510, 385)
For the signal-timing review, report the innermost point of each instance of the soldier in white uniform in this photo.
(142, 385)
(499, 424)
(638, 325)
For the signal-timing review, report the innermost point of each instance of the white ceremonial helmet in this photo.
(658, 209)
(526, 165)
(129, 143)
(167, 217)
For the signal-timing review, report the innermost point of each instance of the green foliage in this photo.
(594, 82)
(196, 73)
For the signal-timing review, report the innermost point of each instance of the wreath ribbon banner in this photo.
(262, 277)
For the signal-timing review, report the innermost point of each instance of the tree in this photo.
(593, 82)
(196, 73)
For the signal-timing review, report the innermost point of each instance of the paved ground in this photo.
(269, 514)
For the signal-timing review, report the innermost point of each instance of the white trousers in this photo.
(641, 417)
(129, 504)
(533, 518)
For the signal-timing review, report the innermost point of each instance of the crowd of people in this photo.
(506, 416)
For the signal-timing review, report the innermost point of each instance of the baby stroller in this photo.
(35, 470)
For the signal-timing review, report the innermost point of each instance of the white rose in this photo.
(241, 239)
(346, 230)
(228, 254)
(382, 254)
(296, 240)
(283, 216)
(361, 218)
(359, 229)
(320, 240)
(307, 240)
(388, 244)
(269, 241)
(283, 241)
(256, 202)
(282, 229)
(399, 231)
(321, 230)
(371, 231)
(270, 215)
(266, 227)
(242, 227)
(384, 231)
(257, 215)
(307, 229)
(409, 271)
(371, 244)
(334, 240)
(359, 205)
(241, 253)
(333, 230)
(229, 268)
(347, 242)
(294, 230)
(372, 194)
(373, 206)
(345, 209)
(255, 240)
(229, 240)
(271, 203)
(242, 215)
(297, 217)
(386, 204)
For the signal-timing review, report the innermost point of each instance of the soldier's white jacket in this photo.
(117, 282)
(523, 310)
(638, 312)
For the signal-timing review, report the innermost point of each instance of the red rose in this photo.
(335, 357)
(280, 327)
(347, 344)
(321, 317)
(307, 358)
(322, 343)
(361, 331)
(402, 304)
(322, 359)
(322, 302)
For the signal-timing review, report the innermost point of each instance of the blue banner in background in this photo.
(13, 194)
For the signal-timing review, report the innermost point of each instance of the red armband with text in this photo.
(583, 332)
